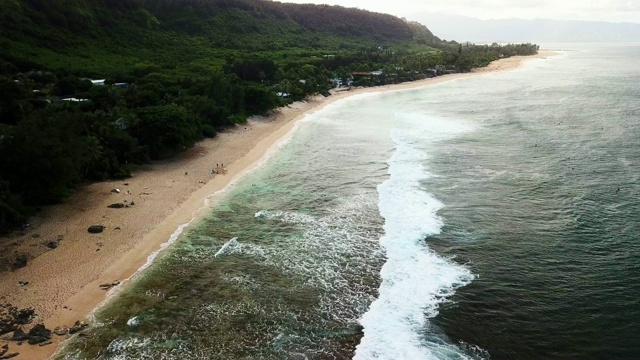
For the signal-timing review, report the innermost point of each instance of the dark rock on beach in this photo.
(20, 262)
(19, 335)
(37, 335)
(9, 356)
(11, 318)
(40, 331)
(109, 285)
(23, 316)
(61, 331)
(6, 328)
(116, 206)
(52, 244)
(33, 340)
(77, 327)
(95, 229)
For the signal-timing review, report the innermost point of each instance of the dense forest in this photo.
(176, 71)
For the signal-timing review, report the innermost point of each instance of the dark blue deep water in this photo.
(543, 205)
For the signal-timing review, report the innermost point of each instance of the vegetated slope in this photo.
(103, 37)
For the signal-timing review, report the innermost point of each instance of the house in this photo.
(72, 99)
(367, 73)
(282, 94)
(98, 82)
(121, 85)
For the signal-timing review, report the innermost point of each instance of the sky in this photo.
(589, 10)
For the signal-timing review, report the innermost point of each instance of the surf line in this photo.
(415, 280)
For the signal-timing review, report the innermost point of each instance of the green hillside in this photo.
(107, 38)
(177, 71)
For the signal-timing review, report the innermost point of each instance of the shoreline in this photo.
(64, 283)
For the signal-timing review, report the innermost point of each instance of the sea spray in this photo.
(415, 280)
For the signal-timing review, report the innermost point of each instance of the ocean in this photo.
(491, 217)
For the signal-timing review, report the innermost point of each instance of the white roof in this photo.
(74, 99)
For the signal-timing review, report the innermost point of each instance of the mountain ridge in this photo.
(465, 28)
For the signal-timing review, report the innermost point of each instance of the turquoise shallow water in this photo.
(479, 218)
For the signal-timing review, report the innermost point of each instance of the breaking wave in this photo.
(415, 280)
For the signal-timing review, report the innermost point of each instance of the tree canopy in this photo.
(176, 71)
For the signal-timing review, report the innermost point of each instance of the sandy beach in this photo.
(64, 283)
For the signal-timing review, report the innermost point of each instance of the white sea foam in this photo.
(134, 322)
(334, 251)
(286, 217)
(120, 345)
(228, 248)
(415, 280)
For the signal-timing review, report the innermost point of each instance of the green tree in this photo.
(70, 85)
(43, 156)
(11, 106)
(258, 99)
(11, 209)
(165, 130)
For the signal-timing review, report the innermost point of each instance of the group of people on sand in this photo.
(218, 169)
